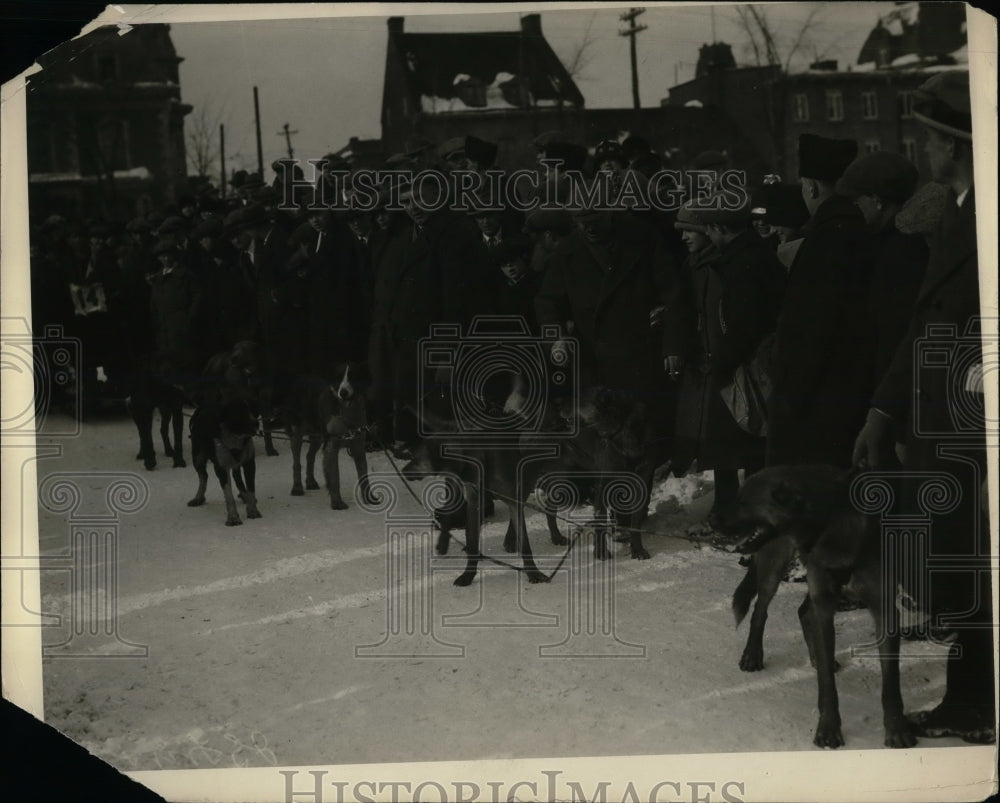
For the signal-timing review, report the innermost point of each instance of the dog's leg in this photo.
(472, 522)
(142, 415)
(360, 454)
(635, 535)
(823, 592)
(769, 565)
(249, 493)
(882, 605)
(232, 514)
(315, 442)
(201, 467)
(166, 413)
(524, 545)
(177, 414)
(295, 443)
(269, 449)
(331, 472)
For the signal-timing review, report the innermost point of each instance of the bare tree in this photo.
(767, 46)
(201, 141)
(580, 57)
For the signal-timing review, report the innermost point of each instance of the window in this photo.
(834, 105)
(869, 101)
(872, 145)
(801, 108)
(910, 149)
(113, 144)
(905, 104)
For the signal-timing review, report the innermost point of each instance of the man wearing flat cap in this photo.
(817, 402)
(936, 409)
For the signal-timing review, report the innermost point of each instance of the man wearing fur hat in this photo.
(817, 402)
(936, 410)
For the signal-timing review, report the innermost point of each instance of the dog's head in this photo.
(245, 359)
(616, 416)
(810, 503)
(350, 381)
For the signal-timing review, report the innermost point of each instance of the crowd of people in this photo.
(827, 282)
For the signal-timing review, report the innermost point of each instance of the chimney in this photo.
(395, 24)
(531, 24)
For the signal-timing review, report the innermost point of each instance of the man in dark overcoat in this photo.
(932, 401)
(817, 405)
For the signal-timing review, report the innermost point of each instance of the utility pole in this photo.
(633, 29)
(714, 40)
(256, 120)
(222, 160)
(288, 140)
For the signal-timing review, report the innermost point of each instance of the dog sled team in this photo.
(805, 338)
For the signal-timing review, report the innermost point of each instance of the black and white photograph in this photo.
(503, 402)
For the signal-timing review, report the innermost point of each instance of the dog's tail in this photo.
(745, 592)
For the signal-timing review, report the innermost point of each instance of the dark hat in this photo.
(253, 183)
(825, 159)
(187, 200)
(482, 205)
(172, 225)
(943, 103)
(137, 225)
(689, 219)
(249, 217)
(718, 209)
(922, 213)
(709, 160)
(415, 147)
(557, 220)
(304, 234)
(335, 161)
(481, 151)
(573, 156)
(98, 229)
(238, 179)
(883, 173)
(164, 247)
(399, 160)
(207, 228)
(610, 150)
(451, 148)
(635, 146)
(266, 195)
(758, 203)
(541, 142)
(784, 206)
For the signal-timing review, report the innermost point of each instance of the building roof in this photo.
(481, 71)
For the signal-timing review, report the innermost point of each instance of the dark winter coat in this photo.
(338, 302)
(938, 416)
(819, 401)
(610, 309)
(736, 294)
(173, 299)
(389, 253)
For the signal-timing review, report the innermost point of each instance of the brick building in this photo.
(508, 87)
(870, 102)
(105, 125)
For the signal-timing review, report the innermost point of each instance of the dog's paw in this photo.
(312, 485)
(179, 462)
(828, 735)
(900, 735)
(640, 553)
(442, 544)
(465, 578)
(234, 521)
(535, 576)
(254, 514)
(149, 463)
(338, 504)
(559, 540)
(752, 661)
(270, 451)
(198, 501)
(139, 456)
(297, 490)
(510, 544)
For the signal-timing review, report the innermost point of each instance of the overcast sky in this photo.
(324, 76)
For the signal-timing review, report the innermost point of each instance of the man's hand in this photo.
(560, 352)
(873, 442)
(656, 316)
(515, 402)
(673, 365)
